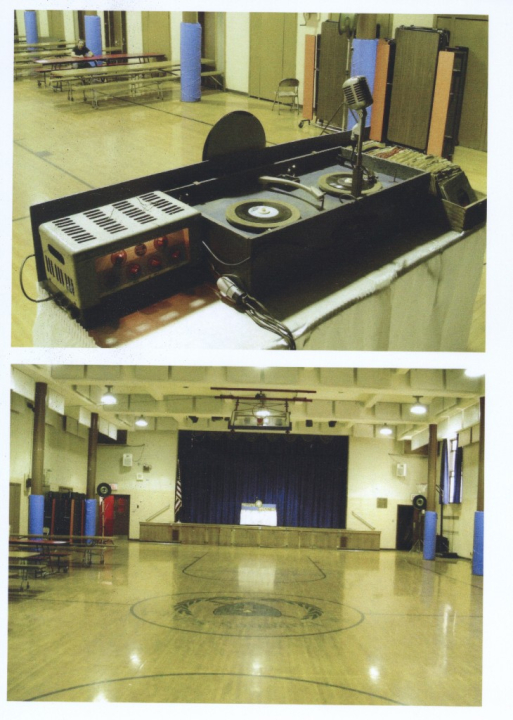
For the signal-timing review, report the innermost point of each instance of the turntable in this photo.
(261, 214)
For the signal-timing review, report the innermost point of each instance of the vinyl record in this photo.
(104, 490)
(261, 214)
(420, 502)
(340, 184)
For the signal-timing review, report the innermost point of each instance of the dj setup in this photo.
(253, 219)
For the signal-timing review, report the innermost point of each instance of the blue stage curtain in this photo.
(304, 475)
(444, 474)
(458, 476)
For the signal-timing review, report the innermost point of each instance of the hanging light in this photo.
(418, 408)
(108, 398)
(385, 430)
(141, 422)
(261, 411)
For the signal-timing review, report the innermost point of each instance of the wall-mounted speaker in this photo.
(127, 459)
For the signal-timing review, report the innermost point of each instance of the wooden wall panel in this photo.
(156, 31)
(309, 77)
(379, 93)
(413, 86)
(472, 32)
(272, 52)
(441, 100)
(332, 74)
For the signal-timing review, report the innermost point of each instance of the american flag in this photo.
(178, 491)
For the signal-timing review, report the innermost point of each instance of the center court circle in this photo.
(247, 614)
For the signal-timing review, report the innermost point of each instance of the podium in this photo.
(253, 514)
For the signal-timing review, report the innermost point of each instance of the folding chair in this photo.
(287, 88)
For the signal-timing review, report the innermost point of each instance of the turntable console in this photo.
(264, 215)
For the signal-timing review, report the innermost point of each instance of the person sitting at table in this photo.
(81, 49)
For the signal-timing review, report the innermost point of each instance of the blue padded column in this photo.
(90, 517)
(478, 554)
(31, 26)
(363, 62)
(190, 61)
(36, 514)
(93, 34)
(429, 535)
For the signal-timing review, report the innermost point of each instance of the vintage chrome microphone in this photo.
(357, 96)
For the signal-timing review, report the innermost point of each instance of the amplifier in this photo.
(103, 251)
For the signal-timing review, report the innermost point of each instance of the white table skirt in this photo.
(421, 301)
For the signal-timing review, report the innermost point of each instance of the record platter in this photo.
(267, 216)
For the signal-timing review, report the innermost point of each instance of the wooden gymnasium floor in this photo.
(62, 148)
(194, 624)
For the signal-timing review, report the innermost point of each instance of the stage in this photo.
(259, 536)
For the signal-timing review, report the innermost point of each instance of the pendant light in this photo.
(141, 421)
(418, 408)
(108, 398)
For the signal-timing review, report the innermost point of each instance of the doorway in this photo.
(116, 516)
(404, 536)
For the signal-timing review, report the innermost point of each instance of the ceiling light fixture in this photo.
(141, 421)
(385, 430)
(418, 408)
(108, 398)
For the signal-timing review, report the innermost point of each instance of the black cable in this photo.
(34, 300)
(230, 291)
(227, 264)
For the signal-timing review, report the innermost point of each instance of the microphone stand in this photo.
(356, 187)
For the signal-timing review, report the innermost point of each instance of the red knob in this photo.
(118, 258)
(155, 263)
(134, 269)
(160, 243)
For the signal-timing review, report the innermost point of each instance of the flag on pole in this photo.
(178, 491)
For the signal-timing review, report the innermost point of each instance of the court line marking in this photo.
(283, 582)
(54, 165)
(214, 674)
(437, 572)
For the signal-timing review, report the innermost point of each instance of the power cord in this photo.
(230, 291)
(34, 300)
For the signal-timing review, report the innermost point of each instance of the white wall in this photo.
(65, 462)
(134, 33)
(372, 475)
(157, 489)
(237, 52)
(175, 20)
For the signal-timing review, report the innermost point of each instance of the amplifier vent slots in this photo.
(74, 231)
(55, 271)
(133, 212)
(161, 203)
(104, 221)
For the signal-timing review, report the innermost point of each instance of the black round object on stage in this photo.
(104, 489)
(341, 183)
(420, 502)
(261, 214)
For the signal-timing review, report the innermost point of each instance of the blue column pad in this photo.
(478, 554)
(430, 519)
(93, 34)
(190, 61)
(36, 514)
(90, 517)
(31, 26)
